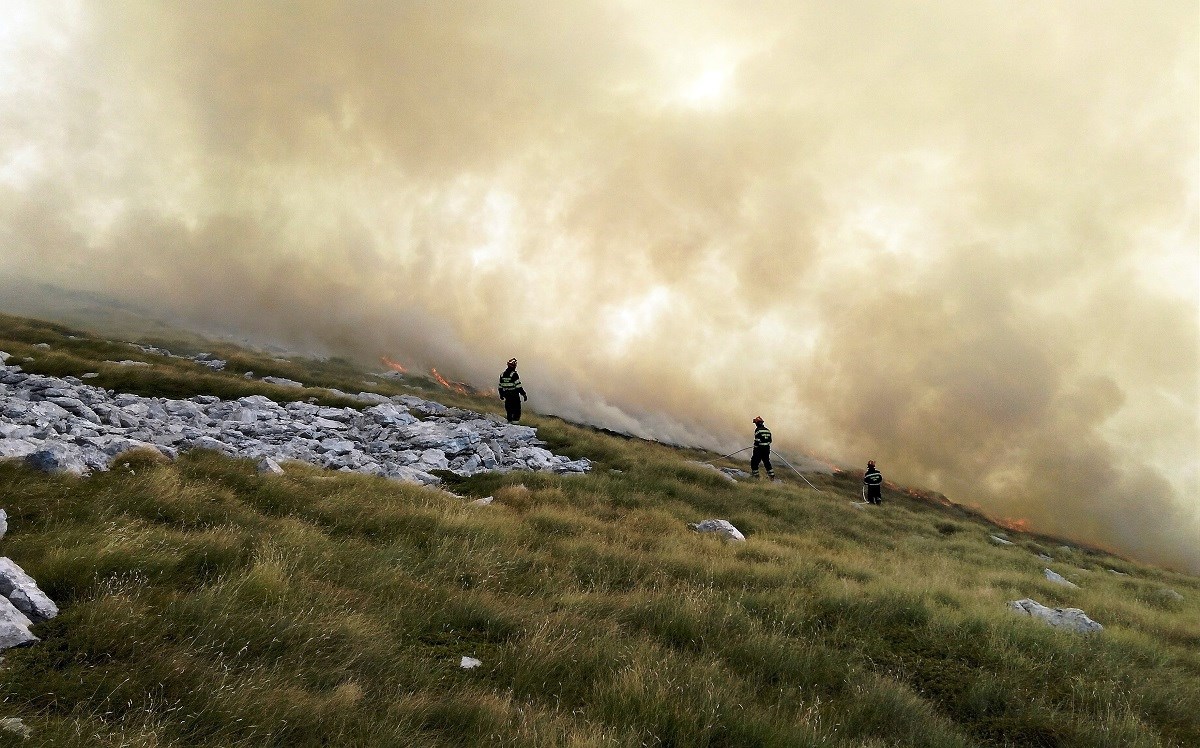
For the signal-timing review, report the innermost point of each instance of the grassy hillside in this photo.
(203, 604)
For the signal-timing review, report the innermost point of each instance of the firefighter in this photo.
(873, 484)
(762, 448)
(511, 391)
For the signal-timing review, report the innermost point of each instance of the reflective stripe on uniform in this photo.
(762, 437)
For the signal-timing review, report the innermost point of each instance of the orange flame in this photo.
(392, 365)
(1016, 525)
(448, 384)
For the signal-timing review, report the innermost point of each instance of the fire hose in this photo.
(797, 472)
(785, 462)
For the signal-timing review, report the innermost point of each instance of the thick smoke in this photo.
(958, 238)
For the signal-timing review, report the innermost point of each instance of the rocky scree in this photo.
(63, 425)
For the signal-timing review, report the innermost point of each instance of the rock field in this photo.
(64, 425)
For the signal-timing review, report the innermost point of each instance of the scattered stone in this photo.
(483, 502)
(209, 360)
(89, 375)
(1171, 594)
(1000, 541)
(1059, 579)
(1073, 619)
(1045, 557)
(735, 473)
(721, 527)
(283, 381)
(127, 362)
(15, 726)
(23, 592)
(3, 523)
(714, 469)
(42, 346)
(1118, 573)
(267, 466)
(468, 663)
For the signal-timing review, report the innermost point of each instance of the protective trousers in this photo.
(512, 407)
(763, 455)
(874, 495)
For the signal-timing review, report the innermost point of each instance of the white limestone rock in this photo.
(1171, 595)
(999, 540)
(283, 382)
(15, 726)
(71, 426)
(267, 466)
(372, 397)
(1059, 579)
(16, 448)
(1072, 619)
(23, 592)
(14, 626)
(58, 458)
(722, 528)
(390, 414)
(3, 523)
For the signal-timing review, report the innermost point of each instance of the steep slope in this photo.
(205, 604)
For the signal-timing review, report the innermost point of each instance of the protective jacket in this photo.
(762, 436)
(873, 477)
(873, 480)
(510, 384)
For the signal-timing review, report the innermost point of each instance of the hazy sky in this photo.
(960, 238)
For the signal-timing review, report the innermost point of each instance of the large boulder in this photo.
(23, 592)
(1072, 619)
(722, 528)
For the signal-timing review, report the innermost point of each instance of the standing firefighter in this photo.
(872, 484)
(511, 391)
(762, 448)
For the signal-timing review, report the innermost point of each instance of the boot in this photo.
(754, 474)
(771, 475)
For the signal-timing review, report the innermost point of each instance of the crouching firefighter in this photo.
(873, 484)
(762, 449)
(511, 391)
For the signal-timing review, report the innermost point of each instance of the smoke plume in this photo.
(958, 238)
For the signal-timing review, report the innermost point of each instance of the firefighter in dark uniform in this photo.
(511, 391)
(762, 448)
(873, 481)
